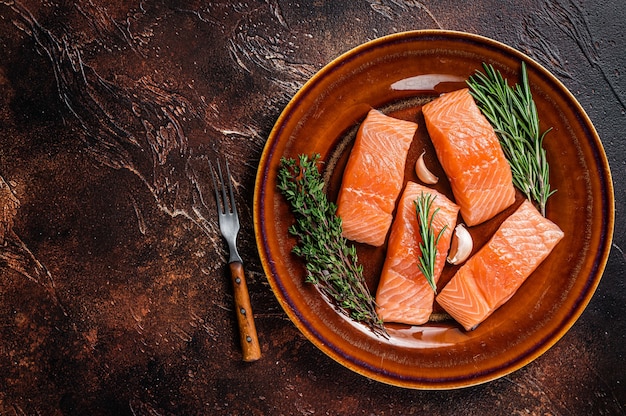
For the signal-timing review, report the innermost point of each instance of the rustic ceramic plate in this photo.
(397, 74)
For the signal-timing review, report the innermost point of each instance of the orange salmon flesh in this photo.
(471, 156)
(493, 275)
(373, 177)
(403, 293)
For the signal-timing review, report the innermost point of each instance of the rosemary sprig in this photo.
(331, 264)
(428, 245)
(513, 114)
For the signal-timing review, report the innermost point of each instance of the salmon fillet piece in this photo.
(471, 156)
(493, 275)
(403, 294)
(373, 177)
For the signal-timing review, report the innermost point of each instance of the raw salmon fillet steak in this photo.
(403, 294)
(490, 277)
(471, 156)
(373, 177)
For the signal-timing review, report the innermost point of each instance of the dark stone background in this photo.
(114, 298)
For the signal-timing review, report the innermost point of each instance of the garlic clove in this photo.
(423, 173)
(461, 246)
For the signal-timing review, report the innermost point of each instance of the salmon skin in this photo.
(471, 156)
(489, 278)
(373, 177)
(403, 294)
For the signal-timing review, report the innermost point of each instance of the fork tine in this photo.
(233, 205)
(226, 204)
(225, 199)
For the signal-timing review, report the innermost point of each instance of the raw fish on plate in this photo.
(493, 275)
(403, 293)
(373, 177)
(471, 156)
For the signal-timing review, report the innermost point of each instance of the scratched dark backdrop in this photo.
(113, 294)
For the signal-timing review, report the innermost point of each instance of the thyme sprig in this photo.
(428, 245)
(513, 114)
(332, 265)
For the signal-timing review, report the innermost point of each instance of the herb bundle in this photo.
(513, 114)
(428, 245)
(331, 264)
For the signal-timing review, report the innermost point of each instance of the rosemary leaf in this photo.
(513, 114)
(428, 245)
(332, 265)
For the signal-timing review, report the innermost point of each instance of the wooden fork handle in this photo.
(247, 330)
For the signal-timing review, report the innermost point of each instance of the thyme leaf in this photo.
(513, 114)
(332, 265)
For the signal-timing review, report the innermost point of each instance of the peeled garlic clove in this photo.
(461, 246)
(423, 173)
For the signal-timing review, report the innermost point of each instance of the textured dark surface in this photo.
(114, 298)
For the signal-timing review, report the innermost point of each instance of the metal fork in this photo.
(229, 226)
